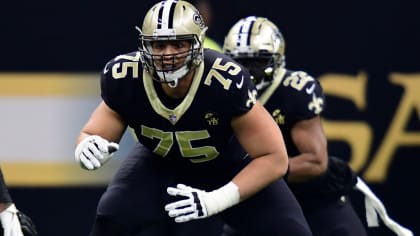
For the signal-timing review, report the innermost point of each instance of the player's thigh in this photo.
(273, 211)
(137, 194)
(335, 218)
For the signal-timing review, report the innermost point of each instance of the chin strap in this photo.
(375, 207)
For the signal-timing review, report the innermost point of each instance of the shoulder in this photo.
(228, 80)
(303, 91)
(123, 66)
(221, 69)
(121, 76)
(300, 82)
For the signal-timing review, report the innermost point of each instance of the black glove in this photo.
(27, 225)
(338, 180)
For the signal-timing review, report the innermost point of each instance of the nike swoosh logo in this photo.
(106, 69)
(311, 89)
(239, 85)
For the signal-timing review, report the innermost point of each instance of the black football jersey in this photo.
(195, 128)
(292, 96)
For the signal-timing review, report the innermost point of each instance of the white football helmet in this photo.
(256, 43)
(172, 20)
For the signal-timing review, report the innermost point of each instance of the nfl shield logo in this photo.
(172, 118)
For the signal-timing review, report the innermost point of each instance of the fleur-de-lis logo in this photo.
(316, 105)
(252, 98)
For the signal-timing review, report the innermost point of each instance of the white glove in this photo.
(10, 221)
(93, 151)
(200, 204)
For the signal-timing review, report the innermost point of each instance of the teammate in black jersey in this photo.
(188, 108)
(295, 100)
(13, 221)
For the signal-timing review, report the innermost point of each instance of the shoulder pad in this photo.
(120, 66)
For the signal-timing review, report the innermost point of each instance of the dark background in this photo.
(345, 37)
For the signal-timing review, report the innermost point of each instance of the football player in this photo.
(206, 146)
(295, 100)
(13, 222)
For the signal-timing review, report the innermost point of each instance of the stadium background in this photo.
(366, 54)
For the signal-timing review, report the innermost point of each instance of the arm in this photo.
(310, 140)
(96, 142)
(103, 122)
(262, 139)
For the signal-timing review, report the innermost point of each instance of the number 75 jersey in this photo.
(197, 127)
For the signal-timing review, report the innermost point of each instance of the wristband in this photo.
(222, 198)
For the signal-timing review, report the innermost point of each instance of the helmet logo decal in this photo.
(198, 20)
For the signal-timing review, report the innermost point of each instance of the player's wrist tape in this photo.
(222, 198)
(6, 213)
(79, 148)
(11, 208)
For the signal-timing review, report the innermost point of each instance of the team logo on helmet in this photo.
(198, 20)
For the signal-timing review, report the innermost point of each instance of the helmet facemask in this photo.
(170, 67)
(261, 67)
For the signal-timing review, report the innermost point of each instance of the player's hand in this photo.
(193, 207)
(10, 222)
(27, 225)
(93, 151)
(199, 204)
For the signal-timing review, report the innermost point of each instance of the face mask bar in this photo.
(165, 65)
(260, 65)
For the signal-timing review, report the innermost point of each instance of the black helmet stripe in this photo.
(244, 36)
(166, 14)
(159, 23)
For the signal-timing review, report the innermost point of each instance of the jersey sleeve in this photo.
(105, 83)
(243, 92)
(230, 82)
(118, 78)
(247, 96)
(310, 100)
